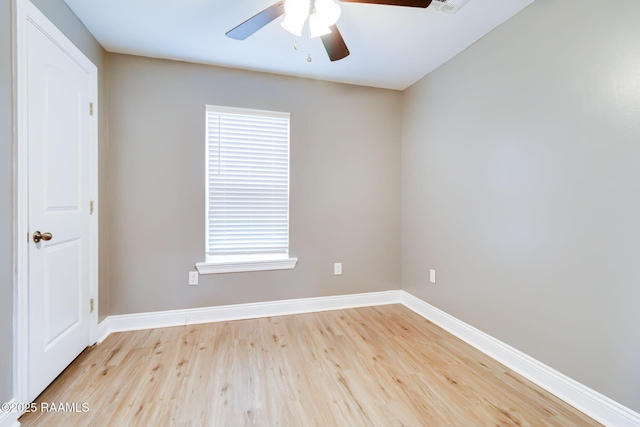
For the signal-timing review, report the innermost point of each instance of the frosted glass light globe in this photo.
(296, 13)
(317, 27)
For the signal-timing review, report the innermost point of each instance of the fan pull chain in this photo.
(312, 10)
(295, 47)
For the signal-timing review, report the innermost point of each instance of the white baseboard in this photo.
(9, 419)
(162, 319)
(104, 329)
(592, 403)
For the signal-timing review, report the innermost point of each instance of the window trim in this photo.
(258, 264)
(242, 263)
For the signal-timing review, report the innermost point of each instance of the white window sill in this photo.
(239, 266)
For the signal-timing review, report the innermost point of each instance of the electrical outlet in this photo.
(432, 276)
(193, 278)
(337, 269)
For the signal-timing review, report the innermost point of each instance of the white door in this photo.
(59, 185)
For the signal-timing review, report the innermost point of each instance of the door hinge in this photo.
(91, 108)
(91, 207)
(91, 305)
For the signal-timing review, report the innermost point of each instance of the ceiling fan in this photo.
(322, 16)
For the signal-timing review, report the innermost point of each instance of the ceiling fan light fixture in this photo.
(317, 27)
(292, 25)
(296, 13)
(322, 14)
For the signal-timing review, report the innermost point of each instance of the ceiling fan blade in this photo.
(409, 3)
(256, 22)
(335, 45)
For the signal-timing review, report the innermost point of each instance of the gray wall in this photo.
(521, 187)
(345, 176)
(58, 12)
(6, 203)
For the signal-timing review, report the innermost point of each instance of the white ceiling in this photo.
(391, 47)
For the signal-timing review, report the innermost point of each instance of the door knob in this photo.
(37, 236)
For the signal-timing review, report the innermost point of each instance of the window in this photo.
(247, 191)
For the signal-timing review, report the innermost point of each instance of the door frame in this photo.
(24, 11)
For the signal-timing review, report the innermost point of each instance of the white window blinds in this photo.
(247, 182)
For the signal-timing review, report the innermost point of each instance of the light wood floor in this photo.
(376, 366)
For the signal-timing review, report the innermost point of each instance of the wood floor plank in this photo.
(374, 366)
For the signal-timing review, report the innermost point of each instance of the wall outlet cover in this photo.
(337, 268)
(193, 278)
